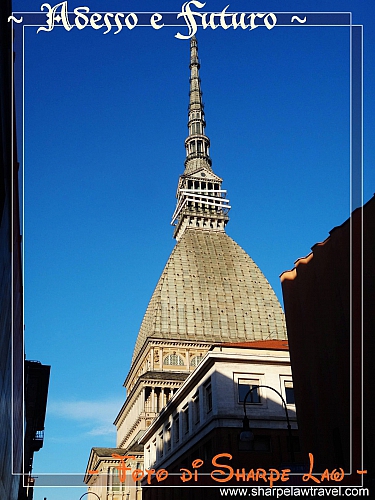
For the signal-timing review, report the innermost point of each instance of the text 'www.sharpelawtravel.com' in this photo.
(306, 492)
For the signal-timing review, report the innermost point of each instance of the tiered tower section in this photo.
(200, 200)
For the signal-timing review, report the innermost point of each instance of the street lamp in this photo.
(88, 493)
(247, 435)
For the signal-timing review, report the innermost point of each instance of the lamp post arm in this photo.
(285, 408)
(268, 387)
(88, 493)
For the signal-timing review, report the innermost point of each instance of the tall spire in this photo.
(201, 202)
(197, 143)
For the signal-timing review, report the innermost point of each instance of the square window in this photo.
(246, 385)
(289, 393)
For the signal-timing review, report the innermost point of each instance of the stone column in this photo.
(161, 358)
(153, 400)
(143, 396)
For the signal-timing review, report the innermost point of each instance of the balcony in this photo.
(38, 440)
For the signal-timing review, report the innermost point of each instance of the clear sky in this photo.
(105, 123)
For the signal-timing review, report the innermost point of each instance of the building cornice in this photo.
(198, 375)
(161, 343)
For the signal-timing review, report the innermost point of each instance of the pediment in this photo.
(204, 174)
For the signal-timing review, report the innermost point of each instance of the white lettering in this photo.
(131, 20)
(52, 17)
(83, 18)
(154, 19)
(94, 18)
(188, 15)
(107, 23)
(216, 20)
(79, 16)
(118, 22)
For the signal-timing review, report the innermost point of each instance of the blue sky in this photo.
(105, 123)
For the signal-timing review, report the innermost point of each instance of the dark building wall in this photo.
(369, 337)
(11, 329)
(36, 391)
(271, 449)
(226, 440)
(322, 298)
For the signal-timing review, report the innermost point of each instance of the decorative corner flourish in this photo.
(296, 18)
(12, 18)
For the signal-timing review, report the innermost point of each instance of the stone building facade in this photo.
(205, 418)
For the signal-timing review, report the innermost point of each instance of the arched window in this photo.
(173, 359)
(196, 360)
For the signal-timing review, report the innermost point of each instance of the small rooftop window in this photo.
(173, 359)
(196, 360)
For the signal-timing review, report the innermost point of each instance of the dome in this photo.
(212, 291)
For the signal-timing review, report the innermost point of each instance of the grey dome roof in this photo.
(211, 290)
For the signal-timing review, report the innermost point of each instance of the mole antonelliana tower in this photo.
(210, 290)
